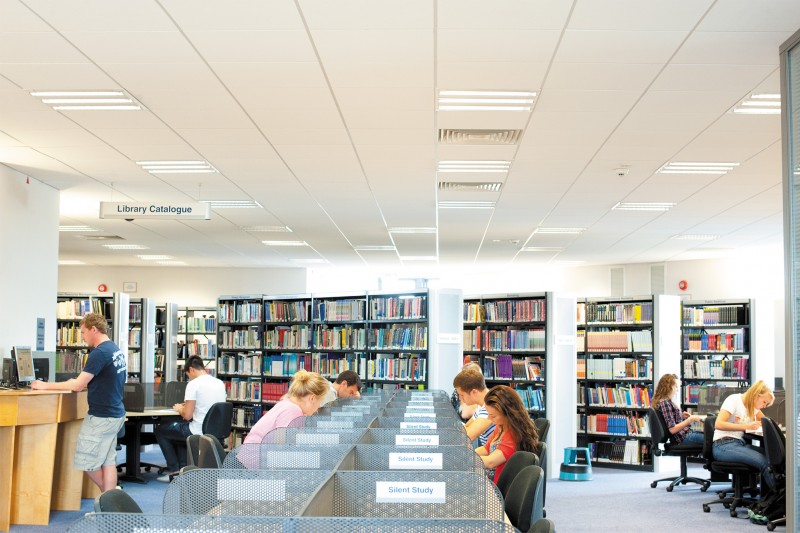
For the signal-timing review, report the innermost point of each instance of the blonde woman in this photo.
(740, 413)
(677, 422)
(303, 399)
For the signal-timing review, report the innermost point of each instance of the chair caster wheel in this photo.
(770, 527)
(733, 513)
(706, 508)
(703, 488)
(726, 505)
(653, 485)
(669, 488)
(147, 469)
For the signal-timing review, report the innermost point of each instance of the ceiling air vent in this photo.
(101, 237)
(448, 136)
(475, 186)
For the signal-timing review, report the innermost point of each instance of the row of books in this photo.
(69, 335)
(533, 310)
(507, 367)
(244, 364)
(718, 315)
(293, 337)
(245, 389)
(619, 341)
(393, 367)
(275, 391)
(206, 348)
(340, 338)
(532, 398)
(77, 308)
(736, 368)
(135, 337)
(286, 364)
(242, 312)
(620, 313)
(331, 365)
(71, 360)
(134, 362)
(629, 451)
(245, 339)
(245, 416)
(614, 424)
(615, 368)
(197, 324)
(337, 310)
(400, 338)
(508, 339)
(635, 396)
(398, 307)
(287, 311)
(697, 340)
(135, 312)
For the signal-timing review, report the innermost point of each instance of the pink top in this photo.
(281, 414)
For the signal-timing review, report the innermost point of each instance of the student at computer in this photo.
(305, 395)
(346, 385)
(471, 389)
(740, 413)
(202, 391)
(514, 429)
(104, 375)
(678, 422)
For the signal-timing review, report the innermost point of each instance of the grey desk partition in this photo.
(407, 495)
(333, 422)
(286, 457)
(427, 458)
(313, 435)
(242, 492)
(116, 522)
(442, 437)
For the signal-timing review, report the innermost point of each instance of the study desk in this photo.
(38, 431)
(133, 438)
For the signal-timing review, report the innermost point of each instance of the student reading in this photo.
(677, 422)
(346, 385)
(471, 388)
(514, 429)
(740, 413)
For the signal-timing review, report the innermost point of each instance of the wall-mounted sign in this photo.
(173, 210)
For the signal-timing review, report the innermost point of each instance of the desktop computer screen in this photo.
(24, 360)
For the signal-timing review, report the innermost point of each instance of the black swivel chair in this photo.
(218, 421)
(211, 452)
(662, 437)
(523, 502)
(541, 453)
(542, 428)
(741, 474)
(133, 398)
(115, 501)
(775, 450)
(518, 460)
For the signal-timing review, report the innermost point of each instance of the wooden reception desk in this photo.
(38, 432)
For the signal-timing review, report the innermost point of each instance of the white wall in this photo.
(29, 266)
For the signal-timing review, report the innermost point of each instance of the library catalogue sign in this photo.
(172, 210)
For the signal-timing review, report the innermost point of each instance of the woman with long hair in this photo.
(303, 399)
(740, 413)
(514, 429)
(677, 422)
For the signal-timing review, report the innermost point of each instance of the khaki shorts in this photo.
(97, 443)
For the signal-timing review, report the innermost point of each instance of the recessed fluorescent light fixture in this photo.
(177, 167)
(88, 100)
(310, 261)
(376, 248)
(474, 166)
(560, 231)
(409, 229)
(125, 247)
(284, 243)
(268, 229)
(466, 205)
(418, 258)
(541, 249)
(486, 100)
(675, 167)
(760, 104)
(172, 263)
(695, 237)
(232, 204)
(643, 206)
(70, 262)
(154, 257)
(76, 229)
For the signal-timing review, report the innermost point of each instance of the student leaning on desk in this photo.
(677, 422)
(740, 413)
(104, 374)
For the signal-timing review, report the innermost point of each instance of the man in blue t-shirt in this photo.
(104, 374)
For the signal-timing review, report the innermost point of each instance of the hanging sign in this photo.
(171, 210)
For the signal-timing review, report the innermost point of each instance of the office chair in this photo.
(742, 474)
(518, 460)
(193, 450)
(218, 421)
(542, 428)
(133, 399)
(211, 452)
(662, 437)
(523, 502)
(775, 450)
(541, 453)
(115, 501)
(543, 525)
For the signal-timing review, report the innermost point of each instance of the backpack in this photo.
(771, 507)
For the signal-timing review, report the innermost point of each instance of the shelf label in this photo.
(171, 210)
(426, 407)
(421, 395)
(449, 338)
(290, 460)
(415, 461)
(317, 438)
(416, 440)
(265, 490)
(420, 415)
(421, 400)
(410, 492)
(565, 340)
(357, 414)
(335, 424)
(417, 425)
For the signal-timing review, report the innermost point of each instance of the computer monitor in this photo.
(24, 359)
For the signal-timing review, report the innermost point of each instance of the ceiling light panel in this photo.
(411, 230)
(66, 262)
(284, 243)
(177, 167)
(368, 248)
(154, 257)
(76, 229)
(695, 237)
(172, 263)
(232, 204)
(643, 206)
(88, 100)
(550, 249)
(559, 231)
(125, 247)
(486, 100)
(466, 205)
(479, 137)
(759, 104)
(267, 229)
(676, 167)
(486, 186)
(474, 166)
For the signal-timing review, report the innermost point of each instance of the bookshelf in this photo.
(71, 350)
(623, 341)
(197, 335)
(339, 335)
(716, 346)
(506, 335)
(166, 342)
(141, 340)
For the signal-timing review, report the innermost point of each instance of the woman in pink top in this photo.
(303, 399)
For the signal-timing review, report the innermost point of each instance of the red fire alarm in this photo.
(102, 288)
(683, 284)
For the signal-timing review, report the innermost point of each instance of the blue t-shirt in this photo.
(109, 367)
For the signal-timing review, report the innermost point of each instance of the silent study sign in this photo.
(171, 210)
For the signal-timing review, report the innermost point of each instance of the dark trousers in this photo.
(171, 438)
